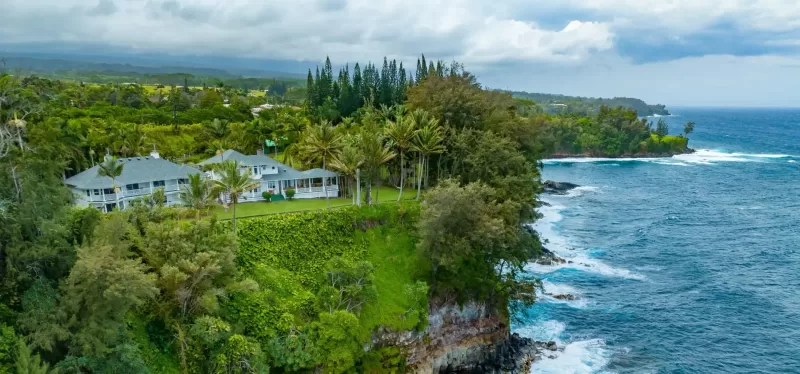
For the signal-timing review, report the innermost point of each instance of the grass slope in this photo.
(259, 208)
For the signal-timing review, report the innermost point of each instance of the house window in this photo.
(97, 192)
(157, 184)
(108, 191)
(255, 169)
(88, 193)
(271, 185)
(132, 186)
(183, 181)
(257, 190)
(331, 181)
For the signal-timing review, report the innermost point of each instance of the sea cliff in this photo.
(466, 339)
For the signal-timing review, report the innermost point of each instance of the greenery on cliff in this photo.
(561, 104)
(166, 290)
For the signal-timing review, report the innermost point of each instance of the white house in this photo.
(277, 177)
(140, 176)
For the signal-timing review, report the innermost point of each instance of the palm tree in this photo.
(294, 128)
(112, 168)
(375, 154)
(428, 141)
(218, 129)
(347, 162)
(322, 141)
(401, 133)
(197, 194)
(234, 183)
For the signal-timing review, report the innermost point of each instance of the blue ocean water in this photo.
(688, 264)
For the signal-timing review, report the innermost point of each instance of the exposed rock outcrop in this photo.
(558, 188)
(468, 339)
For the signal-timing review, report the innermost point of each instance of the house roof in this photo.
(245, 160)
(288, 173)
(134, 170)
(284, 172)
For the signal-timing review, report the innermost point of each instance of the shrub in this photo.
(267, 195)
(290, 193)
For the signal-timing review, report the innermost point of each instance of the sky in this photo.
(675, 52)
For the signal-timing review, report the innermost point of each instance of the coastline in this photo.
(558, 156)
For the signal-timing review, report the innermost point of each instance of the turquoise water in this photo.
(683, 265)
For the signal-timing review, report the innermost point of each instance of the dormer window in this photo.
(255, 169)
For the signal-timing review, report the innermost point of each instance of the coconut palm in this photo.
(294, 128)
(428, 141)
(401, 133)
(112, 168)
(234, 183)
(347, 162)
(324, 142)
(218, 129)
(197, 194)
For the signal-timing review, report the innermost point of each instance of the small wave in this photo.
(580, 260)
(709, 156)
(579, 191)
(561, 289)
(792, 161)
(586, 264)
(587, 356)
(699, 157)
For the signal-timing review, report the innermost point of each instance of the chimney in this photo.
(154, 154)
(260, 151)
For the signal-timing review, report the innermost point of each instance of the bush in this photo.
(290, 193)
(267, 195)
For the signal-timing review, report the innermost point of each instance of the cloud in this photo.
(546, 40)
(306, 29)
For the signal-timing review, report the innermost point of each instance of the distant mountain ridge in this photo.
(552, 103)
(44, 65)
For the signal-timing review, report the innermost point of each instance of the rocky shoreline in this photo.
(556, 156)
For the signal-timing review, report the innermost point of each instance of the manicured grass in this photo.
(259, 208)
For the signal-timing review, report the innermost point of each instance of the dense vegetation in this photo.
(555, 104)
(171, 290)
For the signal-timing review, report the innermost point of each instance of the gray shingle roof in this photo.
(288, 173)
(135, 170)
(245, 160)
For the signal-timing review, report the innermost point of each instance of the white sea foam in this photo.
(581, 190)
(576, 258)
(699, 157)
(560, 289)
(792, 161)
(587, 356)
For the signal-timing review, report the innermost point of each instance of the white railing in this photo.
(316, 189)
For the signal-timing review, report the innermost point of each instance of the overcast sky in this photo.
(677, 52)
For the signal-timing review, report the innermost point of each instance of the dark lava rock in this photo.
(565, 296)
(558, 188)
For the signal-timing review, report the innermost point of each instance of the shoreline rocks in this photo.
(558, 188)
(557, 156)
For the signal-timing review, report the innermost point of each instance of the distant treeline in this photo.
(95, 72)
(557, 104)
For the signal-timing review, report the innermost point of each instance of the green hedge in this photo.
(303, 243)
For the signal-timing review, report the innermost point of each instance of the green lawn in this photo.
(259, 208)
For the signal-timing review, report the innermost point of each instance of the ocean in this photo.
(689, 264)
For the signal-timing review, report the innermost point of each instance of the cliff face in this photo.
(471, 339)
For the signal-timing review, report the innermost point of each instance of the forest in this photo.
(589, 106)
(156, 289)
